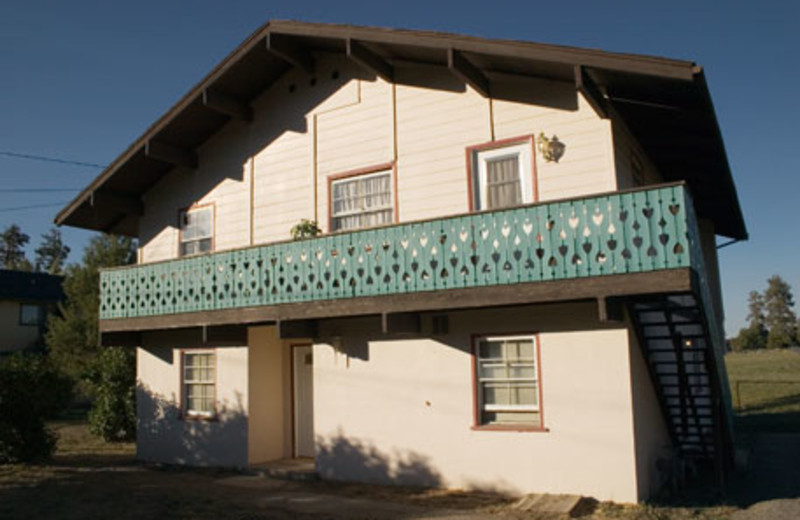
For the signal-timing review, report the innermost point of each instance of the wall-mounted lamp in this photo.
(551, 149)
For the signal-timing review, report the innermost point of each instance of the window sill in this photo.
(509, 428)
(198, 418)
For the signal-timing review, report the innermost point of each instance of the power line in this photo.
(36, 190)
(50, 159)
(33, 206)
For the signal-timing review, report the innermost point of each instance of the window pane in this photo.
(493, 371)
(503, 179)
(507, 381)
(30, 314)
(197, 228)
(198, 379)
(491, 350)
(362, 202)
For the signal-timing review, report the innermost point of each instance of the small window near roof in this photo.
(197, 230)
(199, 384)
(31, 314)
(507, 390)
(502, 176)
(362, 201)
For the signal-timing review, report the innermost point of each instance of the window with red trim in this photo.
(502, 176)
(507, 382)
(362, 201)
(197, 230)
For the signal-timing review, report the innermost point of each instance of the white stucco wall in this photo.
(400, 410)
(163, 435)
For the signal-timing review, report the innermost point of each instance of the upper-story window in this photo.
(362, 201)
(197, 230)
(502, 174)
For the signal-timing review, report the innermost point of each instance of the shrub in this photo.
(305, 229)
(31, 390)
(113, 414)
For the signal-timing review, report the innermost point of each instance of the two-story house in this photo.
(515, 287)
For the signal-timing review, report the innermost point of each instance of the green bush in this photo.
(113, 413)
(31, 390)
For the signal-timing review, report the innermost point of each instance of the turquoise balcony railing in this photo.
(616, 233)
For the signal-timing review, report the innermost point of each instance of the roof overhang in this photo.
(665, 102)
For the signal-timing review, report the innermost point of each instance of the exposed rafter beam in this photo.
(161, 151)
(370, 61)
(283, 47)
(227, 104)
(587, 86)
(124, 203)
(469, 73)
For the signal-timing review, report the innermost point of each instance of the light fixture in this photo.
(551, 149)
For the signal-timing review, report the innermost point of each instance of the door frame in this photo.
(293, 407)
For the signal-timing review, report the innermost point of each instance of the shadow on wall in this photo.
(340, 458)
(164, 435)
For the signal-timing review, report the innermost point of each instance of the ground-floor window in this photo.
(199, 383)
(507, 381)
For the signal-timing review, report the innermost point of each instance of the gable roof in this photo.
(665, 103)
(25, 286)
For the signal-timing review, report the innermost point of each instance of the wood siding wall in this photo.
(265, 176)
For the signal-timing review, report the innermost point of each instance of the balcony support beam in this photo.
(401, 323)
(297, 329)
(580, 289)
(609, 310)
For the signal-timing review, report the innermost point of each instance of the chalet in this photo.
(515, 284)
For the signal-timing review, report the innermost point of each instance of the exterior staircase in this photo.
(679, 346)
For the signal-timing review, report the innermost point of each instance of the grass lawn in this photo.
(765, 388)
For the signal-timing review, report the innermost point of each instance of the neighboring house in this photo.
(516, 287)
(25, 301)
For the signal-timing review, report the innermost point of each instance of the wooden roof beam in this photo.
(591, 91)
(124, 203)
(164, 152)
(283, 47)
(370, 61)
(227, 104)
(464, 69)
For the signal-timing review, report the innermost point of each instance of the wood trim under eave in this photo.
(465, 70)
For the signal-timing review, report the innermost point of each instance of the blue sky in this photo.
(81, 80)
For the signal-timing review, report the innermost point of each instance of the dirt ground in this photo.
(92, 479)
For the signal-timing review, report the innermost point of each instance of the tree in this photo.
(780, 320)
(72, 336)
(748, 339)
(113, 414)
(52, 253)
(12, 249)
(754, 336)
